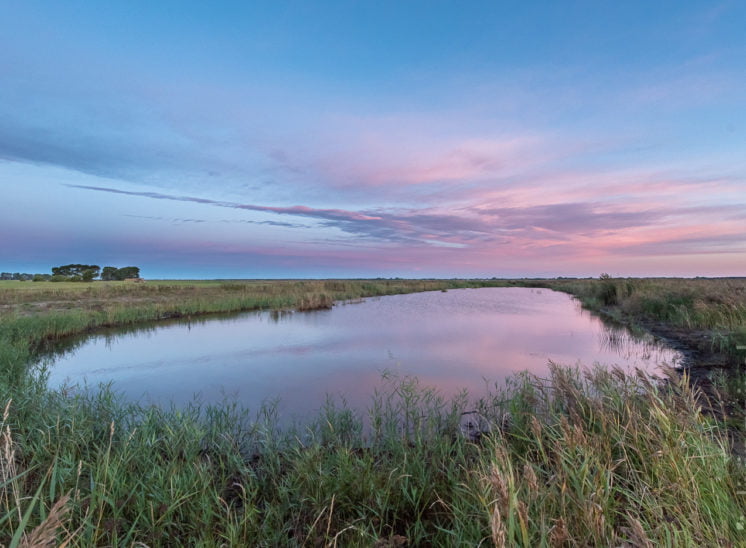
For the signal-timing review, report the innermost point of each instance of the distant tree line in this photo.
(22, 276)
(76, 273)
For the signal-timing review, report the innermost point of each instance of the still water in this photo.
(451, 340)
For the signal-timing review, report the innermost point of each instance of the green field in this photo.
(580, 459)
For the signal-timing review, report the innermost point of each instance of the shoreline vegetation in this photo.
(594, 457)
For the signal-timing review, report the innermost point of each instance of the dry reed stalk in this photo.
(8, 469)
(595, 519)
(329, 521)
(638, 536)
(45, 534)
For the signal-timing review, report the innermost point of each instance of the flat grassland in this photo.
(591, 458)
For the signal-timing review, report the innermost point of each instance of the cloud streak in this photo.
(227, 221)
(575, 229)
(368, 224)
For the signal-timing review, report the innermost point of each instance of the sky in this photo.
(374, 138)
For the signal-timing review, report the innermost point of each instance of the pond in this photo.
(460, 339)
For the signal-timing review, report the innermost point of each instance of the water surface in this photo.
(452, 340)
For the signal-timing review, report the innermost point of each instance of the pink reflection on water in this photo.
(465, 339)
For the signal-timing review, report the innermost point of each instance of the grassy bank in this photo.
(708, 316)
(577, 459)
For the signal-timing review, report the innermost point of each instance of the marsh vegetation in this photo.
(596, 457)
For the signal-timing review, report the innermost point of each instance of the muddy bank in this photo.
(698, 347)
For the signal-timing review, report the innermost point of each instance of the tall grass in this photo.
(599, 459)
(700, 303)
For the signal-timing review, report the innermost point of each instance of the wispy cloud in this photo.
(302, 211)
(570, 218)
(371, 224)
(576, 228)
(174, 220)
(731, 242)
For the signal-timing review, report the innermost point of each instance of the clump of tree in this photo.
(89, 272)
(110, 273)
(75, 273)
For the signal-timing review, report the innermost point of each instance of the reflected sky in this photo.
(461, 339)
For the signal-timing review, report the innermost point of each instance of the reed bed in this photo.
(61, 294)
(597, 458)
(594, 459)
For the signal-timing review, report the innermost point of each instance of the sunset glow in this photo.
(374, 139)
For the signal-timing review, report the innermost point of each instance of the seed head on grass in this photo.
(501, 489)
(45, 534)
(498, 528)
(536, 428)
(637, 533)
(530, 478)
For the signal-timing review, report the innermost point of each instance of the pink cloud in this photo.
(567, 222)
(413, 149)
(453, 161)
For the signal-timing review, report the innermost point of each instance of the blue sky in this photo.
(374, 138)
